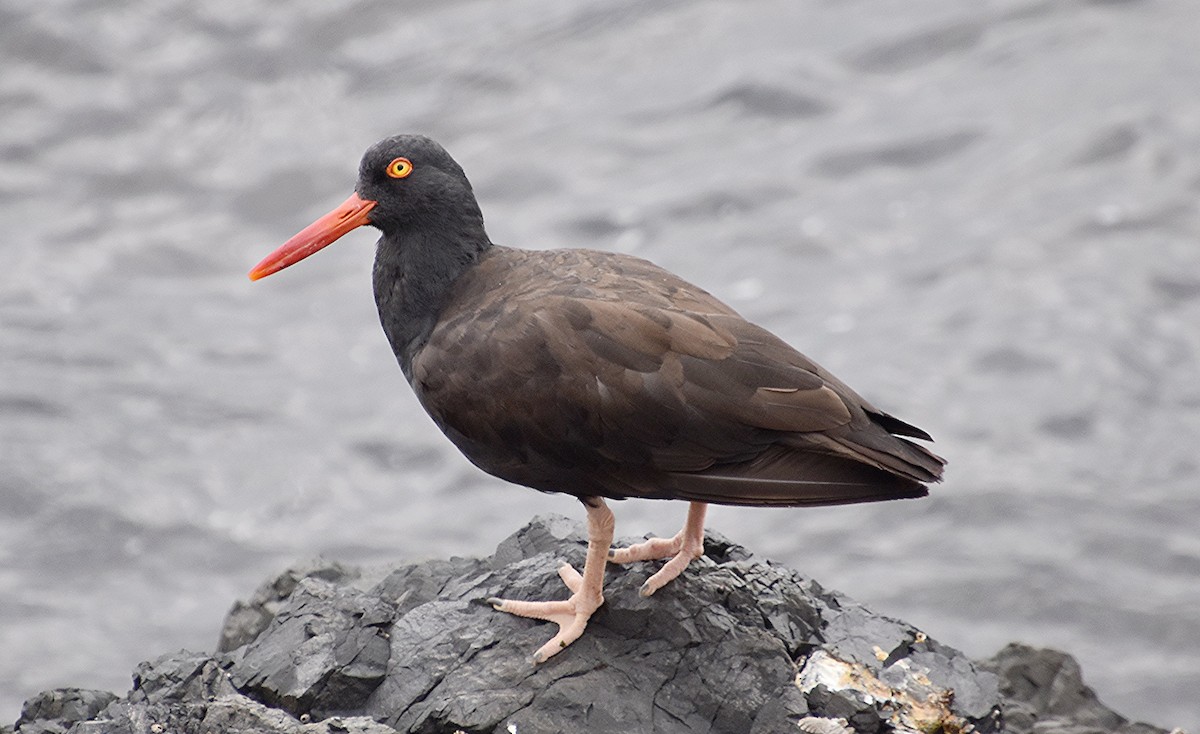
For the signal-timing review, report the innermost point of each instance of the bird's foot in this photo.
(571, 615)
(681, 549)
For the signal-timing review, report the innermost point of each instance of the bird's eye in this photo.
(399, 168)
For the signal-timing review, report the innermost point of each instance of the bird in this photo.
(601, 375)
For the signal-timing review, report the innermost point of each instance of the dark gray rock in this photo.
(324, 652)
(53, 712)
(719, 649)
(247, 619)
(736, 644)
(1044, 692)
(190, 693)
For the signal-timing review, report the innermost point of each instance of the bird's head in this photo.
(405, 182)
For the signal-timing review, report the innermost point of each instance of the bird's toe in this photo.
(648, 550)
(572, 578)
(669, 572)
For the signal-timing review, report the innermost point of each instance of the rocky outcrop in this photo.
(736, 644)
(1043, 691)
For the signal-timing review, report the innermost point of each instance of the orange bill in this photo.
(350, 214)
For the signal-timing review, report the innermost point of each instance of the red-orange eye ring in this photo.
(399, 168)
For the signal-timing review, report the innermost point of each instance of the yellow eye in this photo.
(399, 168)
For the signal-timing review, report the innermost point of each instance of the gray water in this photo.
(982, 215)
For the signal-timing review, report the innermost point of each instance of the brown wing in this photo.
(614, 377)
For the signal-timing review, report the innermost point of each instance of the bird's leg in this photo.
(572, 615)
(687, 544)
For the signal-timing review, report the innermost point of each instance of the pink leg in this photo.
(587, 595)
(687, 544)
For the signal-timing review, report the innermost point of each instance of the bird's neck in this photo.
(414, 273)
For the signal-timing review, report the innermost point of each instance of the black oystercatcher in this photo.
(601, 375)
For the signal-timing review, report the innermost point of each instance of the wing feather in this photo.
(620, 379)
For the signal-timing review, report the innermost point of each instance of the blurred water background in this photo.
(984, 216)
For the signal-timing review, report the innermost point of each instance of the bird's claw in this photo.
(571, 615)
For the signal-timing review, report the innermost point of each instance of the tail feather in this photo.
(784, 476)
(892, 424)
(891, 454)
